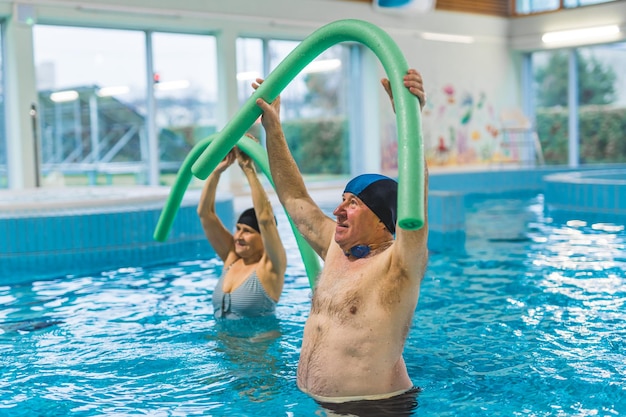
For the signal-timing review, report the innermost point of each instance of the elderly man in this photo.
(365, 297)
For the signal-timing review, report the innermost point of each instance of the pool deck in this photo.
(35, 200)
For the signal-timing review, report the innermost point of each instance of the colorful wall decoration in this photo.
(460, 128)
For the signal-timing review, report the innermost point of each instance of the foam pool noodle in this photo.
(203, 159)
(408, 117)
(310, 259)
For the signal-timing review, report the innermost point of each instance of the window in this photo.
(250, 65)
(92, 87)
(568, 4)
(598, 111)
(4, 180)
(314, 108)
(185, 91)
(551, 72)
(94, 113)
(602, 100)
(535, 6)
(538, 6)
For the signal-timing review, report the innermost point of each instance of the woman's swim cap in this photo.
(248, 217)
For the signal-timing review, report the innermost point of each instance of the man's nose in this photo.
(340, 208)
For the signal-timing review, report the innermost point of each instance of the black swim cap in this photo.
(248, 217)
(380, 194)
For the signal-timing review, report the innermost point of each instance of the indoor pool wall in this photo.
(448, 192)
(51, 233)
(588, 195)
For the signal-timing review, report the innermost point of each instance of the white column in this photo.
(572, 105)
(228, 104)
(365, 142)
(154, 171)
(20, 96)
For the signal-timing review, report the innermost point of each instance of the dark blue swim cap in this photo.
(380, 194)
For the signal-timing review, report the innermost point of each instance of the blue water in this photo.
(529, 320)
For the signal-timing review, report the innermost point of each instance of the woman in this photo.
(254, 257)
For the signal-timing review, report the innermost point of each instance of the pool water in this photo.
(528, 320)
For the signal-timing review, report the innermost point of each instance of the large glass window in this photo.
(538, 6)
(595, 100)
(551, 99)
(602, 101)
(250, 65)
(92, 86)
(535, 6)
(579, 3)
(4, 180)
(185, 90)
(94, 100)
(314, 106)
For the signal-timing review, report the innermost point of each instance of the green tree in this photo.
(596, 83)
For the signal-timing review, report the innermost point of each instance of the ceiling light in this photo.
(63, 96)
(248, 75)
(113, 91)
(171, 85)
(446, 37)
(323, 65)
(594, 33)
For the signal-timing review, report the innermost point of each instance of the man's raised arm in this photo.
(317, 228)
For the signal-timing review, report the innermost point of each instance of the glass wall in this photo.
(602, 100)
(551, 72)
(593, 98)
(94, 94)
(91, 85)
(579, 3)
(185, 91)
(4, 180)
(535, 6)
(313, 106)
(251, 64)
(538, 6)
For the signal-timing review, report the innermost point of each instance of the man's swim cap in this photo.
(248, 217)
(380, 194)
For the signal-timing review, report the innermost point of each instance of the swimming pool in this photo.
(528, 320)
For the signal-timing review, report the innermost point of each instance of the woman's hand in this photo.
(226, 162)
(245, 162)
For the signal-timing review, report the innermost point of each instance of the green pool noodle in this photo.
(178, 189)
(310, 259)
(203, 159)
(408, 117)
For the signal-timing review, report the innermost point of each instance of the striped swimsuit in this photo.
(247, 300)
